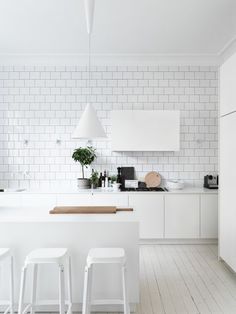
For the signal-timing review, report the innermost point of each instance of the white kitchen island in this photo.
(25, 228)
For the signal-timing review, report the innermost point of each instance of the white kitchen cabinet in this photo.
(74, 199)
(227, 215)
(38, 200)
(10, 199)
(89, 199)
(227, 86)
(209, 216)
(110, 200)
(181, 216)
(149, 209)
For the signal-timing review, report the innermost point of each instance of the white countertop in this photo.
(41, 214)
(188, 190)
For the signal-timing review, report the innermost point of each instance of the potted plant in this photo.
(85, 156)
(115, 184)
(94, 179)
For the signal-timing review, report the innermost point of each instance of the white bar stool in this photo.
(57, 256)
(5, 253)
(104, 256)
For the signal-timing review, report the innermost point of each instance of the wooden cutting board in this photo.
(87, 210)
(152, 179)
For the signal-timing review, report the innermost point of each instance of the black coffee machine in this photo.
(211, 181)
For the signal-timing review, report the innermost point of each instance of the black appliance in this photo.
(127, 173)
(211, 182)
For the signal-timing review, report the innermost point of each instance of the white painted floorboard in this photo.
(180, 279)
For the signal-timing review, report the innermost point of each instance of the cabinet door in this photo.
(227, 86)
(149, 210)
(110, 200)
(181, 216)
(227, 234)
(83, 199)
(89, 199)
(209, 216)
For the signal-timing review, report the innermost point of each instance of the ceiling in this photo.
(120, 26)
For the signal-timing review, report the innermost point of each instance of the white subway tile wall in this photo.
(40, 106)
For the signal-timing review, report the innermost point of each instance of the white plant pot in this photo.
(83, 183)
(116, 186)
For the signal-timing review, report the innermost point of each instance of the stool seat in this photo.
(47, 256)
(4, 252)
(106, 256)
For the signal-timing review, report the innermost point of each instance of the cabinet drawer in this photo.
(182, 216)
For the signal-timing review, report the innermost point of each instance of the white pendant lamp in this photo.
(89, 126)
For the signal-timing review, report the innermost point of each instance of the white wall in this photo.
(43, 104)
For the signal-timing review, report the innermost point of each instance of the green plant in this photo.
(94, 179)
(113, 178)
(85, 156)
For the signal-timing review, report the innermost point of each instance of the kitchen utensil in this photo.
(175, 184)
(87, 210)
(127, 173)
(152, 179)
(131, 184)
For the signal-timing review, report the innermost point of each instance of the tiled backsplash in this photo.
(40, 106)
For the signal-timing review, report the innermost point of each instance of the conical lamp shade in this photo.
(89, 126)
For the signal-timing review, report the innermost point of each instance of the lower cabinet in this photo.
(176, 216)
(149, 209)
(182, 216)
(209, 216)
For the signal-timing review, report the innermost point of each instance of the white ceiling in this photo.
(120, 26)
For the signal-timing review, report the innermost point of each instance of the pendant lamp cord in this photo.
(89, 68)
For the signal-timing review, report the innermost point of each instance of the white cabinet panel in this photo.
(227, 182)
(227, 86)
(145, 130)
(182, 216)
(150, 212)
(89, 199)
(110, 200)
(10, 199)
(209, 216)
(75, 200)
(38, 200)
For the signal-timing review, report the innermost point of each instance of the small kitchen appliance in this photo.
(211, 181)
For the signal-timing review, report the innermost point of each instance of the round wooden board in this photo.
(152, 179)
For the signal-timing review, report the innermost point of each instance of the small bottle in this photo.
(109, 182)
(119, 178)
(100, 180)
(106, 182)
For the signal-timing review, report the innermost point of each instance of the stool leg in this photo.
(61, 290)
(34, 287)
(11, 286)
(69, 287)
(22, 289)
(125, 293)
(87, 290)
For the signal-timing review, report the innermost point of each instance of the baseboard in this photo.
(177, 241)
(77, 307)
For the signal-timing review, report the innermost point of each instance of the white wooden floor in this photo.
(184, 279)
